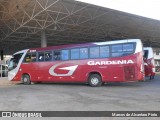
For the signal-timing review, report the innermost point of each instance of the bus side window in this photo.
(94, 52)
(57, 55)
(117, 50)
(104, 51)
(128, 49)
(27, 58)
(83, 53)
(41, 56)
(75, 54)
(33, 57)
(65, 54)
(48, 56)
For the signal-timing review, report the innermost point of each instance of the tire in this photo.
(26, 80)
(95, 80)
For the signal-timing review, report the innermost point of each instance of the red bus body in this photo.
(111, 69)
(149, 62)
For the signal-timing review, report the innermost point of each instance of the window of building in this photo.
(157, 51)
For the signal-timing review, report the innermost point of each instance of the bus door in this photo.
(28, 65)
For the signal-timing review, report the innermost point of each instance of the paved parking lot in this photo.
(142, 96)
(137, 96)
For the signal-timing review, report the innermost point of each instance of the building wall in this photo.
(157, 57)
(6, 58)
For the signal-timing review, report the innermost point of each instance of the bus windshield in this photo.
(145, 54)
(14, 61)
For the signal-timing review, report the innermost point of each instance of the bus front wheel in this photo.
(95, 80)
(26, 79)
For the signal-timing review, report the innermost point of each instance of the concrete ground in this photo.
(135, 96)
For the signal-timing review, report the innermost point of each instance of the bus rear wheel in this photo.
(26, 79)
(95, 80)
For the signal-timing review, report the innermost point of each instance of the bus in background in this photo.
(149, 62)
(92, 63)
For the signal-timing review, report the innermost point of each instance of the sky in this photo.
(146, 8)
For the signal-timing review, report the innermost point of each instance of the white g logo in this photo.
(70, 69)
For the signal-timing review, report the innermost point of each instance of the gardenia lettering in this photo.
(110, 62)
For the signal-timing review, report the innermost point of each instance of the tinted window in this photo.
(48, 56)
(3, 67)
(116, 48)
(17, 57)
(74, 54)
(33, 57)
(41, 56)
(57, 55)
(122, 49)
(128, 47)
(27, 58)
(83, 53)
(94, 52)
(65, 54)
(104, 51)
(145, 54)
(117, 54)
(157, 51)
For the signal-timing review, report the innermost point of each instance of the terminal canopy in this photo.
(67, 22)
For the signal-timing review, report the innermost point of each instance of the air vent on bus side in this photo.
(129, 72)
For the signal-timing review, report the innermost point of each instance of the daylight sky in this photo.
(146, 8)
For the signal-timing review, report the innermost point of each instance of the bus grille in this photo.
(129, 72)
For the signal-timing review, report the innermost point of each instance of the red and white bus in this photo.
(93, 63)
(149, 62)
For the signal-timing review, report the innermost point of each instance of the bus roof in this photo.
(150, 52)
(81, 45)
(85, 44)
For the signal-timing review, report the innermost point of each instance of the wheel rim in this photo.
(94, 81)
(25, 79)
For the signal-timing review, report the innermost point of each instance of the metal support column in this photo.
(43, 39)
